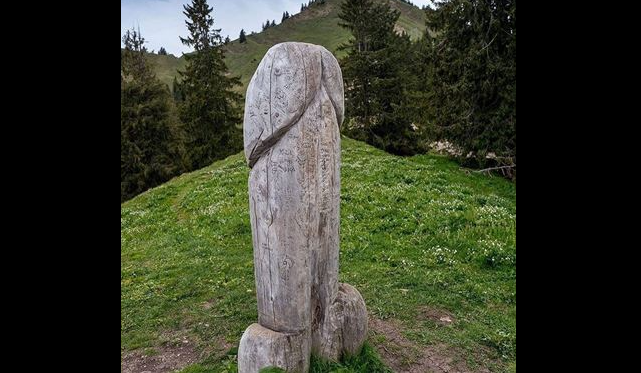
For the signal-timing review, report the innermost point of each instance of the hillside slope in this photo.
(166, 67)
(316, 25)
(431, 247)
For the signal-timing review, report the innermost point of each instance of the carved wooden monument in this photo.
(294, 107)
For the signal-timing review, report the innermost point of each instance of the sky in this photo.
(161, 22)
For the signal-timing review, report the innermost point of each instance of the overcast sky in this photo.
(161, 22)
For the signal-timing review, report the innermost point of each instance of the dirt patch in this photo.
(404, 356)
(209, 304)
(168, 358)
(219, 349)
(439, 316)
(399, 30)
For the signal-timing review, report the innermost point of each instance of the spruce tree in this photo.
(375, 77)
(151, 137)
(273, 23)
(471, 78)
(243, 37)
(162, 51)
(133, 63)
(210, 107)
(176, 91)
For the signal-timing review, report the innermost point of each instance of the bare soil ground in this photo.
(405, 356)
(177, 353)
(166, 359)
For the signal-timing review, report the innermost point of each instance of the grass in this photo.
(318, 25)
(166, 67)
(417, 233)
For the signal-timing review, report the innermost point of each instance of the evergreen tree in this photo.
(273, 23)
(471, 77)
(210, 108)
(227, 40)
(243, 37)
(162, 51)
(151, 137)
(376, 79)
(176, 90)
(284, 18)
(133, 63)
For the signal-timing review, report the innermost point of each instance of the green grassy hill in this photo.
(431, 247)
(166, 67)
(317, 25)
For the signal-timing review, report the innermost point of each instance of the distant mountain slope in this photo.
(317, 25)
(167, 67)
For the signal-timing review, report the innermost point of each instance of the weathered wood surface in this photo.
(294, 107)
(263, 347)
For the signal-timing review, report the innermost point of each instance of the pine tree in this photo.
(375, 77)
(273, 23)
(210, 107)
(472, 76)
(227, 40)
(162, 51)
(176, 90)
(243, 37)
(132, 57)
(284, 18)
(151, 137)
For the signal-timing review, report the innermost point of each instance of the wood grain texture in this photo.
(263, 347)
(293, 111)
